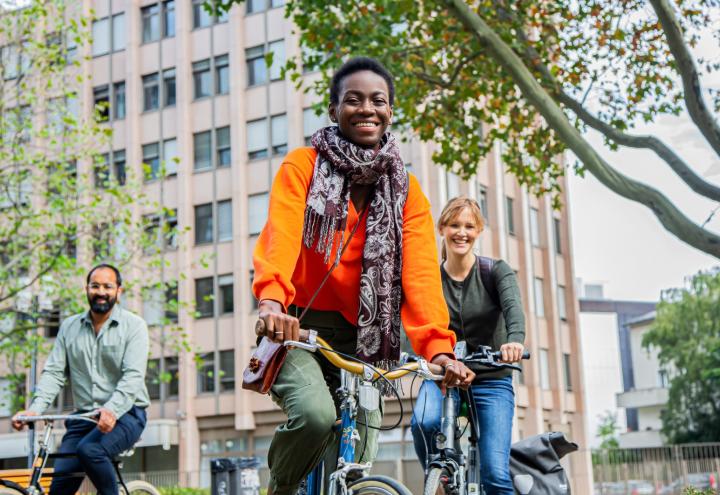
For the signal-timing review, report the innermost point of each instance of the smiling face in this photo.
(103, 290)
(363, 111)
(460, 233)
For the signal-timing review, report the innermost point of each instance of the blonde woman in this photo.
(479, 315)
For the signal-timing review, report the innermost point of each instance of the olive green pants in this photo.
(305, 390)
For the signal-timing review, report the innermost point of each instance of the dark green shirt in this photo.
(475, 317)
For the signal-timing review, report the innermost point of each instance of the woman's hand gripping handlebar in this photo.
(309, 341)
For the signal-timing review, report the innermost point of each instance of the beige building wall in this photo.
(195, 426)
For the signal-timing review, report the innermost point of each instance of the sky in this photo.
(620, 243)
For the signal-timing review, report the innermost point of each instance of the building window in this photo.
(257, 139)
(203, 18)
(168, 26)
(151, 161)
(256, 67)
(258, 205)
(227, 370)
(224, 223)
(535, 226)
(222, 75)
(222, 145)
(544, 370)
(312, 122)
(118, 106)
(483, 201)
(202, 145)
(276, 3)
(102, 171)
(150, 23)
(169, 157)
(277, 48)
(205, 224)
(663, 378)
(169, 87)
(562, 308)
(119, 166)
(278, 128)
(204, 295)
(202, 78)
(558, 235)
(101, 100)
(254, 6)
(253, 300)
(108, 35)
(539, 299)
(225, 287)
(509, 216)
(568, 375)
(206, 373)
(151, 92)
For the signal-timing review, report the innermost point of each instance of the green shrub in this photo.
(691, 490)
(180, 490)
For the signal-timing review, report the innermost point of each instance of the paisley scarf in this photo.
(338, 166)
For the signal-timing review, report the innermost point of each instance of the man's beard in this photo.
(101, 306)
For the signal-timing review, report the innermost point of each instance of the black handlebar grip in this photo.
(31, 425)
(526, 355)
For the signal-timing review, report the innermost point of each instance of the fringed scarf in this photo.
(339, 165)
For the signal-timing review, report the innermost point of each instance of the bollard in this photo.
(220, 469)
(245, 477)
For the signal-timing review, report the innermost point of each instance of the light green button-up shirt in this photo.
(107, 370)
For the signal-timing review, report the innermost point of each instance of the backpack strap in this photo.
(485, 266)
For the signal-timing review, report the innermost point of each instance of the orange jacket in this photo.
(288, 272)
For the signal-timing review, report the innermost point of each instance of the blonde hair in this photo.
(452, 209)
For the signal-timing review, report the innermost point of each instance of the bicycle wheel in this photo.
(139, 487)
(432, 482)
(11, 488)
(378, 485)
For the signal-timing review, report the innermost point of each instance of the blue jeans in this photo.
(94, 451)
(495, 406)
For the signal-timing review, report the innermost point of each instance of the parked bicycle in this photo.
(34, 487)
(450, 468)
(358, 389)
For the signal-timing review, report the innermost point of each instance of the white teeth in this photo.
(365, 124)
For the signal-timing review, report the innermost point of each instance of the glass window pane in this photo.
(151, 158)
(169, 18)
(203, 150)
(203, 297)
(118, 40)
(224, 220)
(544, 370)
(257, 139)
(534, 226)
(201, 17)
(562, 309)
(101, 37)
(119, 100)
(153, 306)
(256, 6)
(150, 23)
(278, 50)
(510, 216)
(227, 370)
(206, 373)
(483, 201)
(539, 299)
(312, 122)
(203, 224)
(558, 235)
(279, 133)
(169, 87)
(170, 156)
(224, 156)
(257, 212)
(151, 92)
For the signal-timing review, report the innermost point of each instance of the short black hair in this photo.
(118, 277)
(358, 64)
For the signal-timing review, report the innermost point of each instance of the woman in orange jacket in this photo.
(352, 179)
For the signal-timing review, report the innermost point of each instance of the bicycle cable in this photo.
(380, 375)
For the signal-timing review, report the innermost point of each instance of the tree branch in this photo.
(692, 91)
(679, 166)
(669, 216)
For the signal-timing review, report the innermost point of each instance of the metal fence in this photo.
(659, 471)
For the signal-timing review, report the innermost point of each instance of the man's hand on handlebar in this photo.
(456, 373)
(512, 352)
(19, 425)
(106, 420)
(279, 326)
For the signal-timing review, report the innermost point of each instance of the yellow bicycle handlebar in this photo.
(354, 366)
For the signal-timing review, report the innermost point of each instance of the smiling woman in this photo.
(346, 220)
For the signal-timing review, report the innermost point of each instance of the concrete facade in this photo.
(219, 88)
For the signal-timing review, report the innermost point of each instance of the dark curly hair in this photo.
(358, 64)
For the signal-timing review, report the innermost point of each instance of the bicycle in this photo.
(7, 487)
(357, 389)
(449, 467)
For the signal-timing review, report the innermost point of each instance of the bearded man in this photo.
(104, 352)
